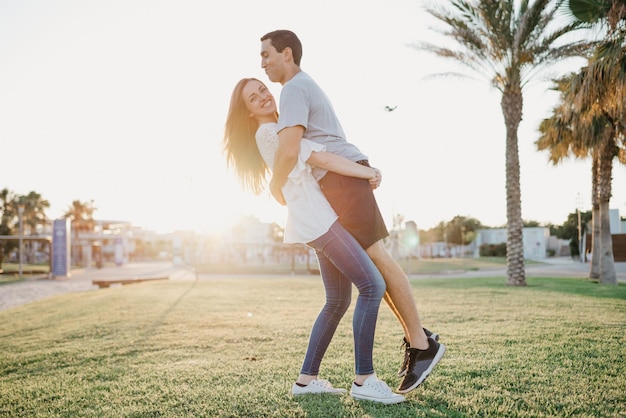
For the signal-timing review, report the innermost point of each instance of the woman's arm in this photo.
(338, 164)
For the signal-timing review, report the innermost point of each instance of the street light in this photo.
(20, 212)
(580, 230)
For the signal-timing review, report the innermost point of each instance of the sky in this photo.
(123, 103)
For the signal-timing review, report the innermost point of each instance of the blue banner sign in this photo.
(61, 248)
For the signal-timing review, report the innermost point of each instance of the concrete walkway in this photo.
(21, 293)
(81, 280)
(550, 267)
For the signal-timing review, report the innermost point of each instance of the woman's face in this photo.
(259, 101)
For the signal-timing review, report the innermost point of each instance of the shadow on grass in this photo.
(322, 405)
(316, 405)
(565, 285)
(151, 328)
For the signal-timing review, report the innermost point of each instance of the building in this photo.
(536, 241)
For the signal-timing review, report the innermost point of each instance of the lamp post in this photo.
(20, 213)
(580, 230)
(462, 241)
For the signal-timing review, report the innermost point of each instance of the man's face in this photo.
(272, 62)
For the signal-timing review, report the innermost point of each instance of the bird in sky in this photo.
(390, 109)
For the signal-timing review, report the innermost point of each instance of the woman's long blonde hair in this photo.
(239, 142)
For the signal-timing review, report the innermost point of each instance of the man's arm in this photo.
(285, 159)
(343, 166)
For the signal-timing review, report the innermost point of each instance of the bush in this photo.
(573, 248)
(493, 250)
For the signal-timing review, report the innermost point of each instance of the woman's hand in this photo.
(377, 179)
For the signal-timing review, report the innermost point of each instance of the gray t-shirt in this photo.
(302, 102)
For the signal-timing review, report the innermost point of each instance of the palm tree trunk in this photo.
(594, 269)
(1, 255)
(511, 104)
(607, 262)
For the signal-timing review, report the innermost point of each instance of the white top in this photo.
(309, 214)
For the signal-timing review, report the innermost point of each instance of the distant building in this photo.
(535, 241)
(617, 225)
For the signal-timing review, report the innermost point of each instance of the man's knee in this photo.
(378, 252)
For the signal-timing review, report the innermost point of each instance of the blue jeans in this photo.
(343, 262)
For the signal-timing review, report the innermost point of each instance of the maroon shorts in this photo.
(354, 202)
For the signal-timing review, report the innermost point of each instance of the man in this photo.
(306, 112)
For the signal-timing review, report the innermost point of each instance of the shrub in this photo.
(493, 250)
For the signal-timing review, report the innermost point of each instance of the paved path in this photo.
(21, 293)
(552, 267)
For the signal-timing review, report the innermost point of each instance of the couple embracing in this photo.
(327, 185)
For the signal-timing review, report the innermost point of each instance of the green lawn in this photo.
(10, 271)
(412, 266)
(232, 347)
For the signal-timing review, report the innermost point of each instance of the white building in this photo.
(617, 225)
(535, 241)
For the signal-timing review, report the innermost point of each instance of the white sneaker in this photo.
(316, 386)
(375, 390)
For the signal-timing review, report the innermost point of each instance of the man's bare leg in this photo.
(395, 312)
(401, 295)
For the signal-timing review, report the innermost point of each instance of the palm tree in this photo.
(559, 138)
(34, 210)
(592, 11)
(81, 218)
(589, 120)
(594, 268)
(508, 42)
(604, 82)
(7, 221)
(34, 215)
(81, 215)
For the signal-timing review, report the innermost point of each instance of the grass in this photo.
(413, 266)
(232, 347)
(423, 266)
(452, 265)
(9, 272)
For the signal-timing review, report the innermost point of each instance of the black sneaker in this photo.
(420, 364)
(405, 361)
(405, 347)
(432, 335)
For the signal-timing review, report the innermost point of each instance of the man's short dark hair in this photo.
(282, 39)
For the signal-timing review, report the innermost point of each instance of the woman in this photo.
(250, 141)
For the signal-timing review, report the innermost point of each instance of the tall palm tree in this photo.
(508, 42)
(590, 121)
(559, 137)
(594, 268)
(605, 82)
(592, 11)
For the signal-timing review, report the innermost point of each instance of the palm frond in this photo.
(589, 10)
(508, 42)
